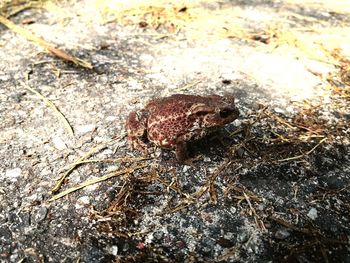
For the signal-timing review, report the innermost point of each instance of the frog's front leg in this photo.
(181, 151)
(136, 127)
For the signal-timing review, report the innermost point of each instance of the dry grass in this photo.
(202, 23)
(317, 41)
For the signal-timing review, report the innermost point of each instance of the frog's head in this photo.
(216, 111)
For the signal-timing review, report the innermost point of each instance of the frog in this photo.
(174, 121)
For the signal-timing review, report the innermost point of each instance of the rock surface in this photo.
(272, 187)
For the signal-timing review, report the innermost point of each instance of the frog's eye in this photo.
(225, 113)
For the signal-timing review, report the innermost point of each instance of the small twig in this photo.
(257, 219)
(41, 42)
(241, 189)
(52, 106)
(190, 85)
(178, 208)
(279, 135)
(210, 183)
(7, 12)
(189, 200)
(94, 181)
(116, 160)
(304, 154)
(168, 186)
(330, 192)
(75, 164)
(314, 148)
(271, 115)
(120, 199)
(292, 158)
(293, 227)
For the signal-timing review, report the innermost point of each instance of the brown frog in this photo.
(171, 122)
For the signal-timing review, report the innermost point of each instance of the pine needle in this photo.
(94, 181)
(303, 155)
(57, 112)
(42, 43)
(75, 164)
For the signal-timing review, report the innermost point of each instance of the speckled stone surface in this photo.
(272, 187)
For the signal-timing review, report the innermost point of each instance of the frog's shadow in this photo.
(214, 146)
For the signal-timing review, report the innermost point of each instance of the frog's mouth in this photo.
(228, 114)
(225, 113)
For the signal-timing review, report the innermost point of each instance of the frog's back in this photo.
(168, 118)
